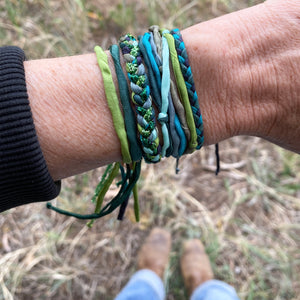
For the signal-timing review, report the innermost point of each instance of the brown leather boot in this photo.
(195, 265)
(154, 254)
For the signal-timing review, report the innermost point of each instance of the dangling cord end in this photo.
(177, 163)
(105, 184)
(124, 204)
(122, 210)
(217, 159)
(136, 203)
(90, 223)
(71, 214)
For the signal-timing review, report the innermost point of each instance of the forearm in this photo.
(245, 78)
(71, 116)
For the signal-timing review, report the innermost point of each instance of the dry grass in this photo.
(248, 217)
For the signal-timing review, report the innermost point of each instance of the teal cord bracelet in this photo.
(154, 90)
(141, 98)
(165, 92)
(129, 117)
(167, 104)
(160, 42)
(155, 82)
(156, 56)
(165, 89)
(146, 42)
(152, 56)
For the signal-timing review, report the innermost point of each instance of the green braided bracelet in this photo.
(141, 98)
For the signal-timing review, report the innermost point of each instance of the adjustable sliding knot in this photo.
(162, 118)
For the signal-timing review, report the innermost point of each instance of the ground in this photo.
(248, 216)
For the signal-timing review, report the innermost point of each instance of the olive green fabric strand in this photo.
(182, 90)
(113, 103)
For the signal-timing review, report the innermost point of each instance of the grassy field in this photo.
(248, 216)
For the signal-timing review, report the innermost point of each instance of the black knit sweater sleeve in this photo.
(24, 176)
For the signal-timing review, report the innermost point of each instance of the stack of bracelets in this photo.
(155, 97)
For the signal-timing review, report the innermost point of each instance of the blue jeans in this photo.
(146, 285)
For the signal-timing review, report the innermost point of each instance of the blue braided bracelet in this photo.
(190, 85)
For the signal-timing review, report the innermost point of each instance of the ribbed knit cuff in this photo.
(24, 176)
